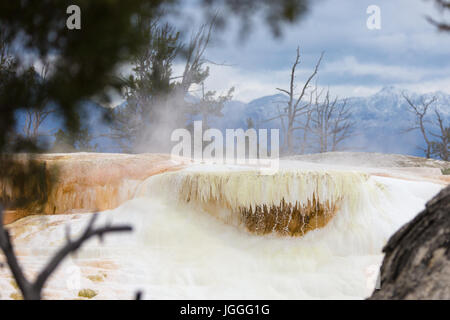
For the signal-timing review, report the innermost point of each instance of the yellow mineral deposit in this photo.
(204, 231)
(80, 182)
(289, 202)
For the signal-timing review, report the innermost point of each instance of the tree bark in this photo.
(417, 257)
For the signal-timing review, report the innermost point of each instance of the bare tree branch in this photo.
(441, 146)
(420, 111)
(331, 121)
(293, 108)
(33, 291)
(283, 90)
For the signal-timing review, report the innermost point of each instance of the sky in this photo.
(407, 51)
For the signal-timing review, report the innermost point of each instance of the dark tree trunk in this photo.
(417, 257)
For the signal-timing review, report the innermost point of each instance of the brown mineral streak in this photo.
(83, 182)
(287, 218)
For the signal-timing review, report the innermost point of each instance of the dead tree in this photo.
(306, 127)
(440, 147)
(154, 96)
(420, 111)
(194, 71)
(321, 119)
(33, 290)
(36, 115)
(295, 108)
(330, 121)
(33, 121)
(342, 125)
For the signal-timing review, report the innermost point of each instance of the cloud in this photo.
(407, 52)
(347, 77)
(384, 72)
(248, 84)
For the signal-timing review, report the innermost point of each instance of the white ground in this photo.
(178, 251)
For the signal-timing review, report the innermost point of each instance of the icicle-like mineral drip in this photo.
(291, 202)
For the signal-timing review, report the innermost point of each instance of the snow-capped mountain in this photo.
(380, 119)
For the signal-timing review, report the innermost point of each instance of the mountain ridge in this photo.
(381, 118)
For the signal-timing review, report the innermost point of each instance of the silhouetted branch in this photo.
(293, 108)
(33, 291)
(443, 5)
